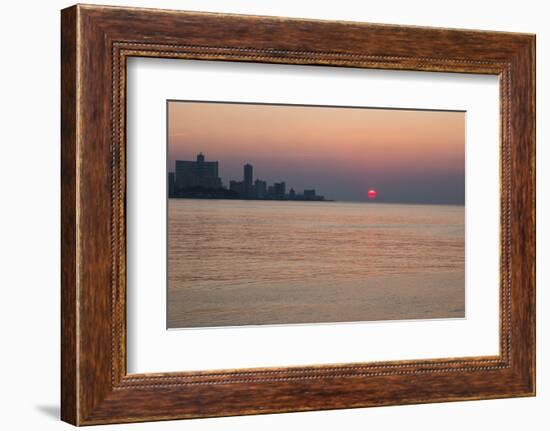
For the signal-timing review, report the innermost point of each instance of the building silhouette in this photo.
(248, 173)
(197, 174)
(237, 187)
(171, 184)
(260, 189)
(291, 194)
(309, 194)
(278, 190)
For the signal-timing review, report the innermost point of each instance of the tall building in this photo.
(248, 174)
(247, 180)
(279, 189)
(199, 173)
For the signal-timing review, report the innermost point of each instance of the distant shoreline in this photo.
(250, 199)
(318, 201)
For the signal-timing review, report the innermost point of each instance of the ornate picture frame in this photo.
(96, 41)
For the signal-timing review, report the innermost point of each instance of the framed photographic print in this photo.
(266, 215)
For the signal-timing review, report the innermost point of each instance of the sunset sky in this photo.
(407, 156)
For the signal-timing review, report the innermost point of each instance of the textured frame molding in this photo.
(96, 41)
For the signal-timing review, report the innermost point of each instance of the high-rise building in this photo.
(199, 173)
(279, 189)
(248, 173)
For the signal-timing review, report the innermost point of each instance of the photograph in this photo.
(281, 214)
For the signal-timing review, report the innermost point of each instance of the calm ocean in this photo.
(245, 262)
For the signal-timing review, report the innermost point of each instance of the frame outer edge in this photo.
(533, 53)
(523, 213)
(530, 82)
(69, 197)
(532, 101)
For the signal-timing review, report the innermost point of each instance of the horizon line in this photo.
(331, 201)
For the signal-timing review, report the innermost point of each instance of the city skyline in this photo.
(407, 156)
(200, 178)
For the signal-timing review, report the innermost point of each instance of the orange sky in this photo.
(338, 151)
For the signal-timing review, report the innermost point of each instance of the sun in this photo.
(372, 194)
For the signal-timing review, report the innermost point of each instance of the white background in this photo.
(151, 348)
(29, 228)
